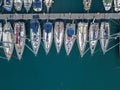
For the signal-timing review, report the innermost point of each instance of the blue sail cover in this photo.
(37, 3)
(34, 25)
(70, 32)
(48, 27)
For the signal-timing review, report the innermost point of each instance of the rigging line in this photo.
(3, 58)
(29, 48)
(112, 47)
(86, 51)
(114, 22)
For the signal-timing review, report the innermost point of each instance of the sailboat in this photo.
(18, 4)
(48, 4)
(47, 36)
(93, 36)
(1, 31)
(87, 4)
(82, 34)
(69, 37)
(117, 5)
(27, 4)
(35, 35)
(37, 5)
(58, 35)
(8, 43)
(20, 37)
(107, 4)
(104, 35)
(8, 4)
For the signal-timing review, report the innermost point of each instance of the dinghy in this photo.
(48, 4)
(37, 5)
(87, 4)
(104, 35)
(27, 4)
(20, 37)
(69, 37)
(1, 31)
(107, 4)
(58, 35)
(8, 4)
(117, 5)
(8, 43)
(18, 4)
(35, 35)
(82, 34)
(93, 36)
(47, 36)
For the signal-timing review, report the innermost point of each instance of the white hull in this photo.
(9, 6)
(104, 36)
(47, 40)
(27, 4)
(117, 5)
(93, 36)
(58, 35)
(35, 39)
(107, 5)
(82, 33)
(20, 37)
(48, 4)
(37, 9)
(1, 31)
(18, 4)
(87, 4)
(69, 41)
(8, 43)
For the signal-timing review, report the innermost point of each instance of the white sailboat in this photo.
(104, 35)
(82, 34)
(107, 4)
(69, 37)
(47, 36)
(35, 35)
(20, 37)
(58, 35)
(37, 5)
(18, 4)
(48, 4)
(8, 4)
(93, 36)
(117, 5)
(27, 4)
(8, 43)
(87, 4)
(1, 31)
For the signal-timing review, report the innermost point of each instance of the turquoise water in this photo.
(60, 72)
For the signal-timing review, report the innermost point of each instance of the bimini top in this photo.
(37, 4)
(70, 32)
(48, 27)
(34, 25)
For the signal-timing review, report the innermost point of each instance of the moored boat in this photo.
(27, 4)
(104, 35)
(8, 4)
(18, 4)
(82, 33)
(87, 4)
(35, 35)
(69, 37)
(37, 5)
(47, 36)
(19, 37)
(93, 36)
(8, 43)
(58, 35)
(107, 4)
(48, 4)
(117, 5)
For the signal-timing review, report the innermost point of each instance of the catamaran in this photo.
(8, 37)
(35, 35)
(69, 37)
(82, 34)
(58, 35)
(104, 36)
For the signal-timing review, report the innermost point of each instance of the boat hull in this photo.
(37, 5)
(58, 35)
(20, 37)
(8, 43)
(18, 4)
(117, 5)
(87, 4)
(27, 4)
(82, 34)
(107, 5)
(69, 41)
(8, 5)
